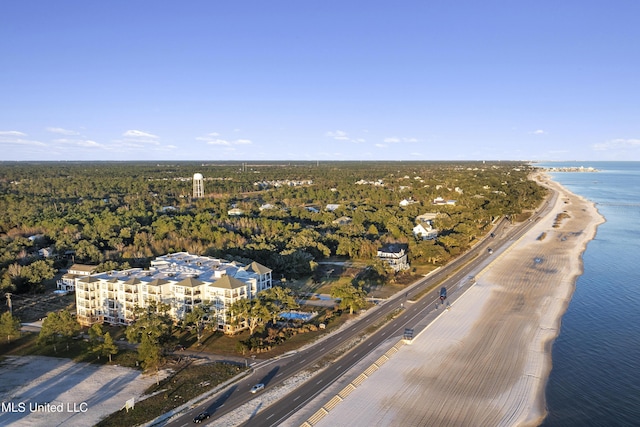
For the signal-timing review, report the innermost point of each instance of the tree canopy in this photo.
(117, 214)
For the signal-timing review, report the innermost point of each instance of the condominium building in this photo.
(181, 280)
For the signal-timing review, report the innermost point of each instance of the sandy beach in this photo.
(485, 362)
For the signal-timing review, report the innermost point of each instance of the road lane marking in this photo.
(297, 397)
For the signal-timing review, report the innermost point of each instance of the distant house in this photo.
(441, 201)
(235, 212)
(395, 255)
(46, 252)
(343, 220)
(407, 202)
(312, 209)
(266, 206)
(426, 217)
(77, 271)
(332, 207)
(425, 231)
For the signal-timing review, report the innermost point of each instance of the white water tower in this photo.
(198, 185)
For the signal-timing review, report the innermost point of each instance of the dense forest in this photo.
(117, 214)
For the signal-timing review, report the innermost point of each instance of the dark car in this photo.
(201, 417)
(443, 294)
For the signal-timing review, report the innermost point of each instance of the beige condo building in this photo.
(181, 280)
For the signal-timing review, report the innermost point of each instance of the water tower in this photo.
(198, 185)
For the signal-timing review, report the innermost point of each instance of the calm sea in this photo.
(595, 379)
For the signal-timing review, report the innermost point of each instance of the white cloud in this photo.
(84, 143)
(617, 144)
(539, 132)
(212, 139)
(14, 137)
(218, 142)
(138, 134)
(89, 143)
(395, 140)
(61, 131)
(12, 133)
(338, 135)
(381, 145)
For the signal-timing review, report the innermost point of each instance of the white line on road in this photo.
(297, 397)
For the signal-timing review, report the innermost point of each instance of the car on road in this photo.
(490, 251)
(201, 417)
(256, 388)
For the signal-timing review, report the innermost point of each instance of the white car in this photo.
(256, 388)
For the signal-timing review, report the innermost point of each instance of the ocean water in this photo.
(595, 378)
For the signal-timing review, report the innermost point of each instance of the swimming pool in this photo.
(298, 315)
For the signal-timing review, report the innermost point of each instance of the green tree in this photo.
(38, 271)
(150, 355)
(197, 319)
(250, 313)
(58, 327)
(278, 299)
(95, 337)
(9, 326)
(351, 297)
(108, 348)
(152, 329)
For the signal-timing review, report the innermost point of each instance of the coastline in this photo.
(539, 412)
(487, 360)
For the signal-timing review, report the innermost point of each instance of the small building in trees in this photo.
(77, 271)
(395, 254)
(181, 280)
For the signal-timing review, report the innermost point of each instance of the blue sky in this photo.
(320, 80)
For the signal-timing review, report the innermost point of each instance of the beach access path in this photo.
(485, 362)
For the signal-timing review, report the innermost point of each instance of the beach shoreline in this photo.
(488, 360)
(596, 219)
